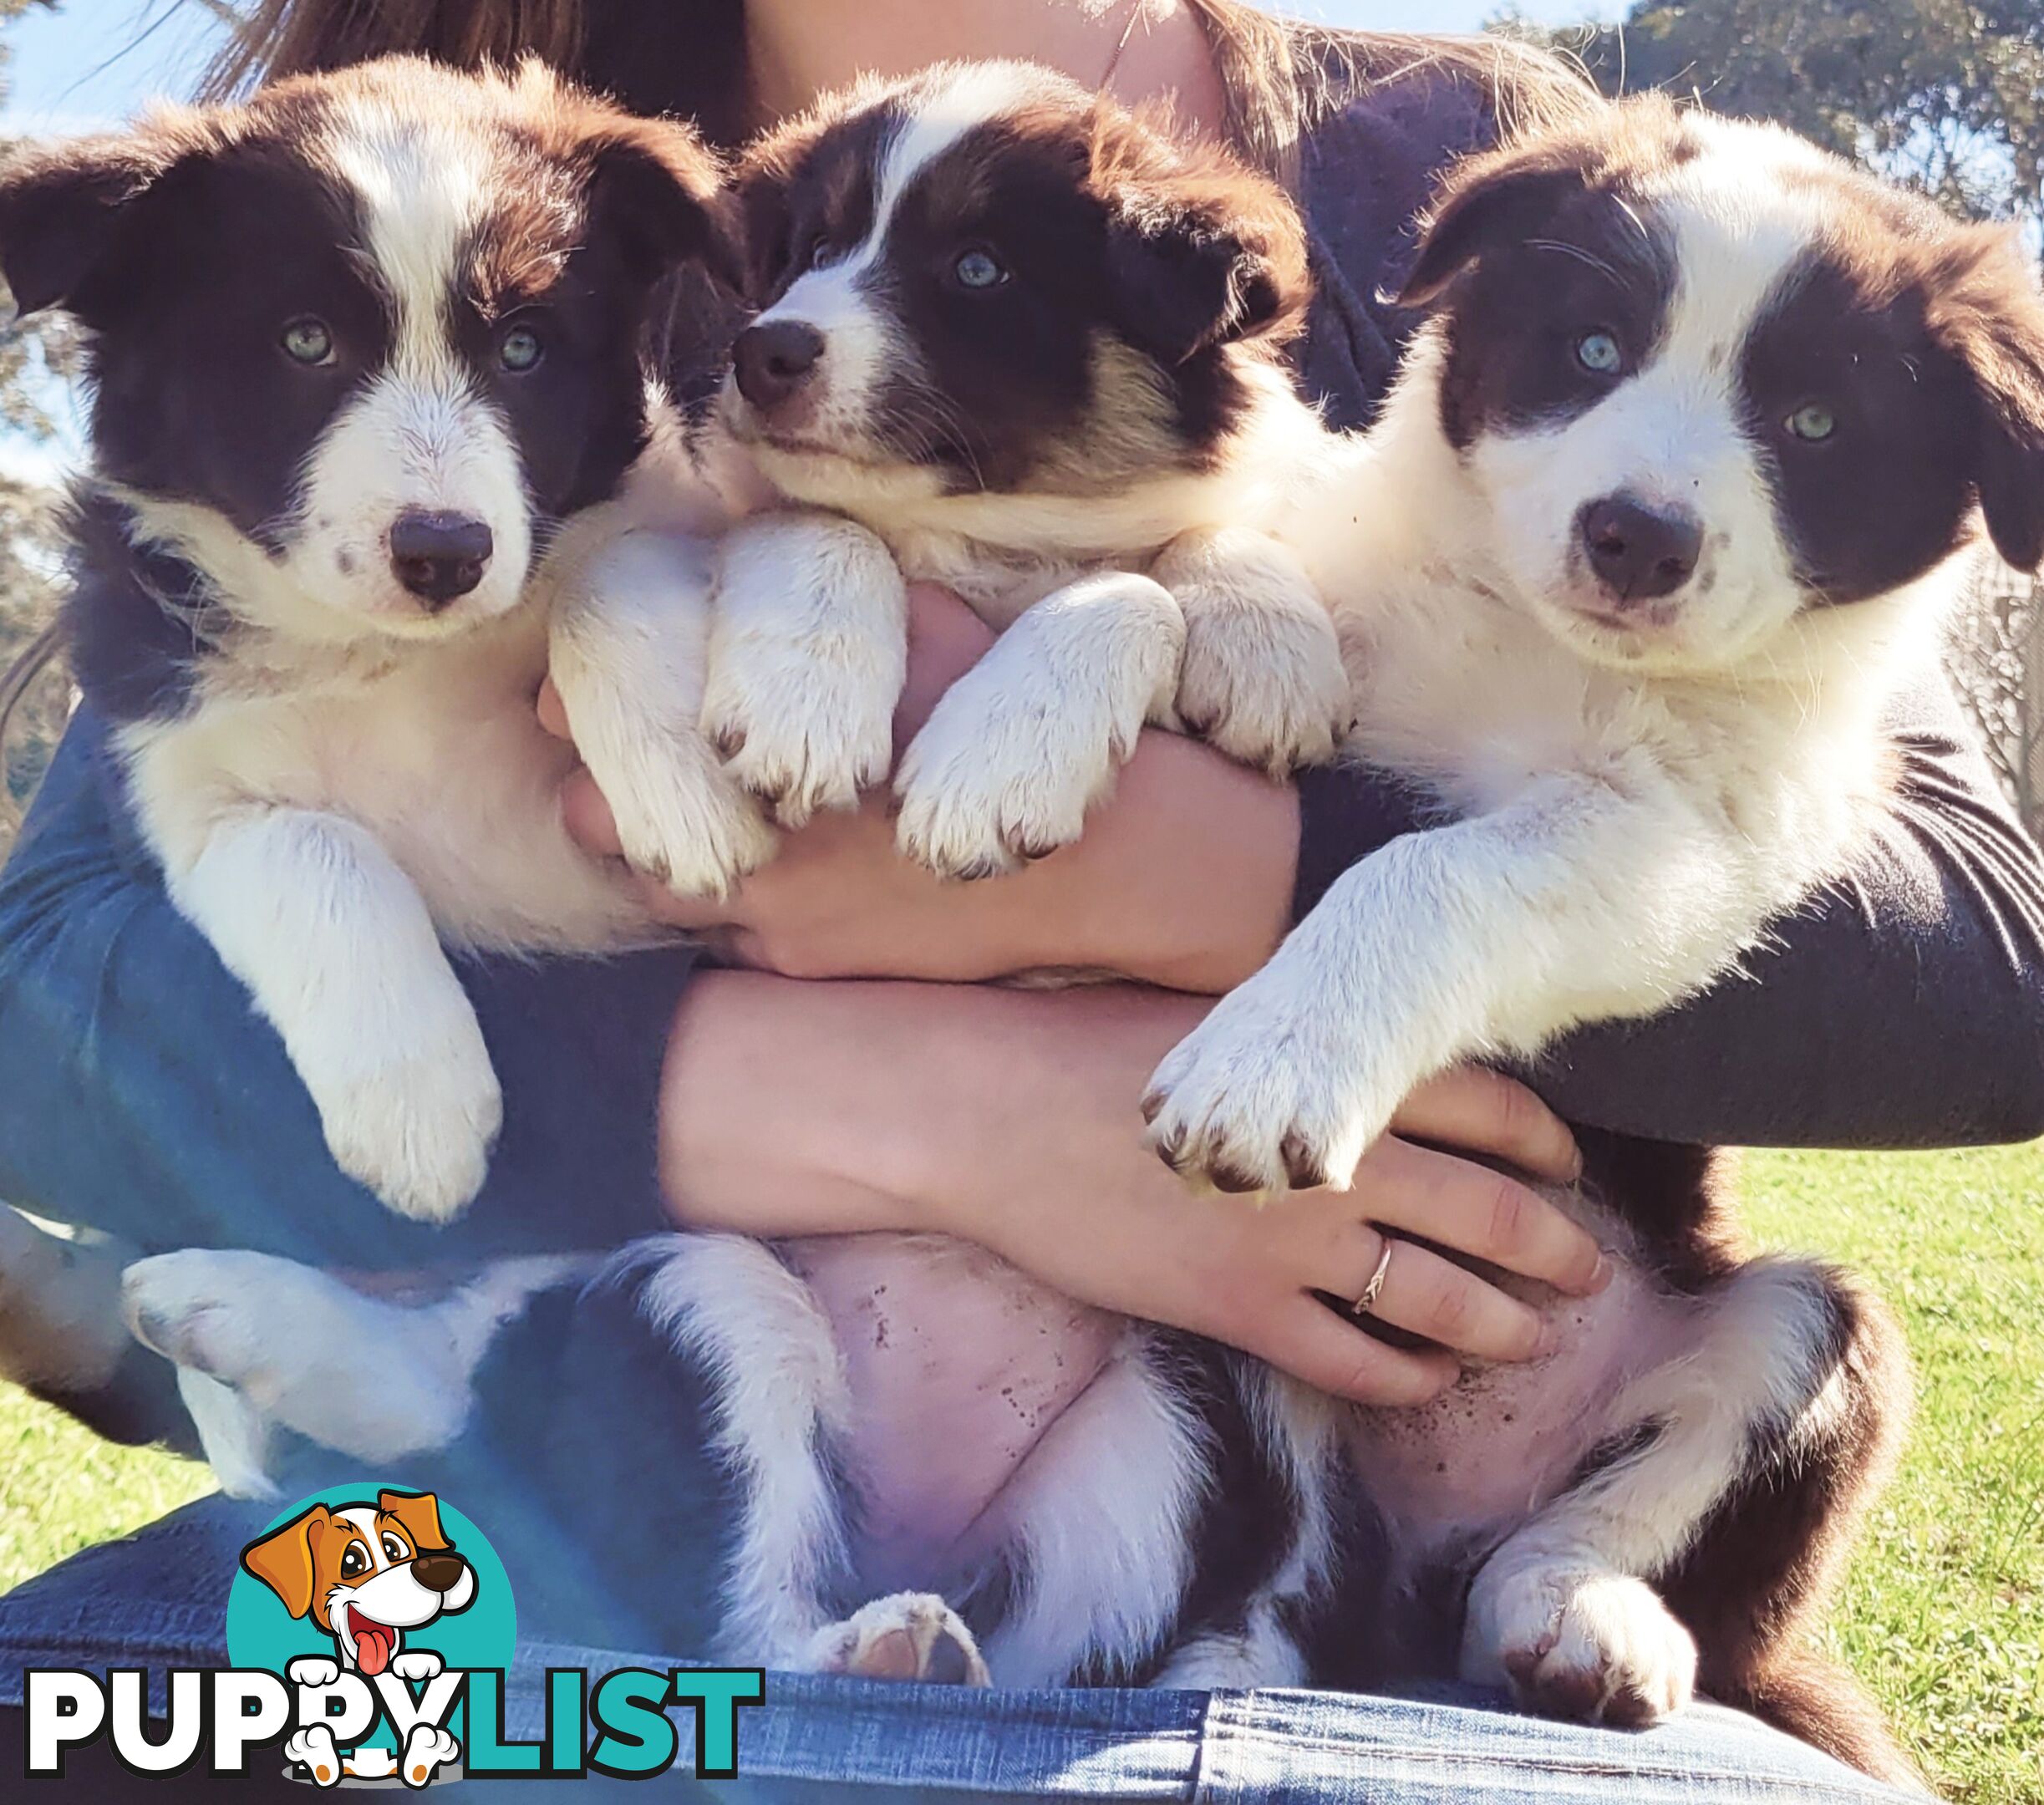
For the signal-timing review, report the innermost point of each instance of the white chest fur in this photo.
(434, 749)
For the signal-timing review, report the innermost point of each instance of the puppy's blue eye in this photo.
(1599, 353)
(307, 341)
(1813, 424)
(520, 348)
(978, 269)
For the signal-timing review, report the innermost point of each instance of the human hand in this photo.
(1183, 877)
(1009, 1118)
(1257, 1279)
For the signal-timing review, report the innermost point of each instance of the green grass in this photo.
(1944, 1613)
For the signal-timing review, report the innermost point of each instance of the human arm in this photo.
(1901, 1007)
(1007, 1117)
(144, 1096)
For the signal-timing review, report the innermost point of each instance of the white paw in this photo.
(313, 1670)
(984, 789)
(417, 1129)
(1274, 1090)
(313, 1750)
(913, 1636)
(1595, 1646)
(1029, 738)
(416, 1664)
(1267, 687)
(1262, 676)
(426, 1751)
(194, 1309)
(681, 818)
(800, 732)
(808, 653)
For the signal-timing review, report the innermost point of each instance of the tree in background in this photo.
(1945, 95)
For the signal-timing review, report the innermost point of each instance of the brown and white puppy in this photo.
(1031, 345)
(1700, 441)
(367, 399)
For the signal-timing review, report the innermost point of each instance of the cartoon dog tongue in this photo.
(373, 1643)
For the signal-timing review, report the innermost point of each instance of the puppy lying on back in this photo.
(1030, 348)
(367, 399)
(1667, 501)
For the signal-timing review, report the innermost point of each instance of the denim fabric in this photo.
(159, 1600)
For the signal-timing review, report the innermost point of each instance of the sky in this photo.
(94, 61)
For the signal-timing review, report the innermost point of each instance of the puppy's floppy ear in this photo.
(419, 1515)
(1987, 314)
(1489, 204)
(1503, 197)
(64, 210)
(657, 190)
(282, 1559)
(1200, 250)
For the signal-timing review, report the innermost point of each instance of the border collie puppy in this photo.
(1610, 591)
(1674, 485)
(367, 400)
(1021, 343)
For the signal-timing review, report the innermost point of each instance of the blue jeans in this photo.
(159, 1600)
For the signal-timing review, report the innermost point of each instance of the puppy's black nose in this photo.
(439, 1573)
(438, 556)
(1641, 553)
(774, 361)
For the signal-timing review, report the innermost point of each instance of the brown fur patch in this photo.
(1140, 277)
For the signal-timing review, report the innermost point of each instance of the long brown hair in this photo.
(681, 57)
(687, 57)
(296, 37)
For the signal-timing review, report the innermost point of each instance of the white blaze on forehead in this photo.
(865, 341)
(1742, 223)
(420, 433)
(422, 187)
(940, 115)
(956, 102)
(364, 1519)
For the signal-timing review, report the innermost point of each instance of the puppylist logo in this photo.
(368, 1634)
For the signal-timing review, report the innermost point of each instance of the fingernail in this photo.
(1605, 1273)
(1549, 1340)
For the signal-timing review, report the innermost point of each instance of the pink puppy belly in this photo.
(958, 1364)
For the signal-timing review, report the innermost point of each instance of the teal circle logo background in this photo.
(261, 1633)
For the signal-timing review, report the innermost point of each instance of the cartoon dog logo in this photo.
(365, 1574)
